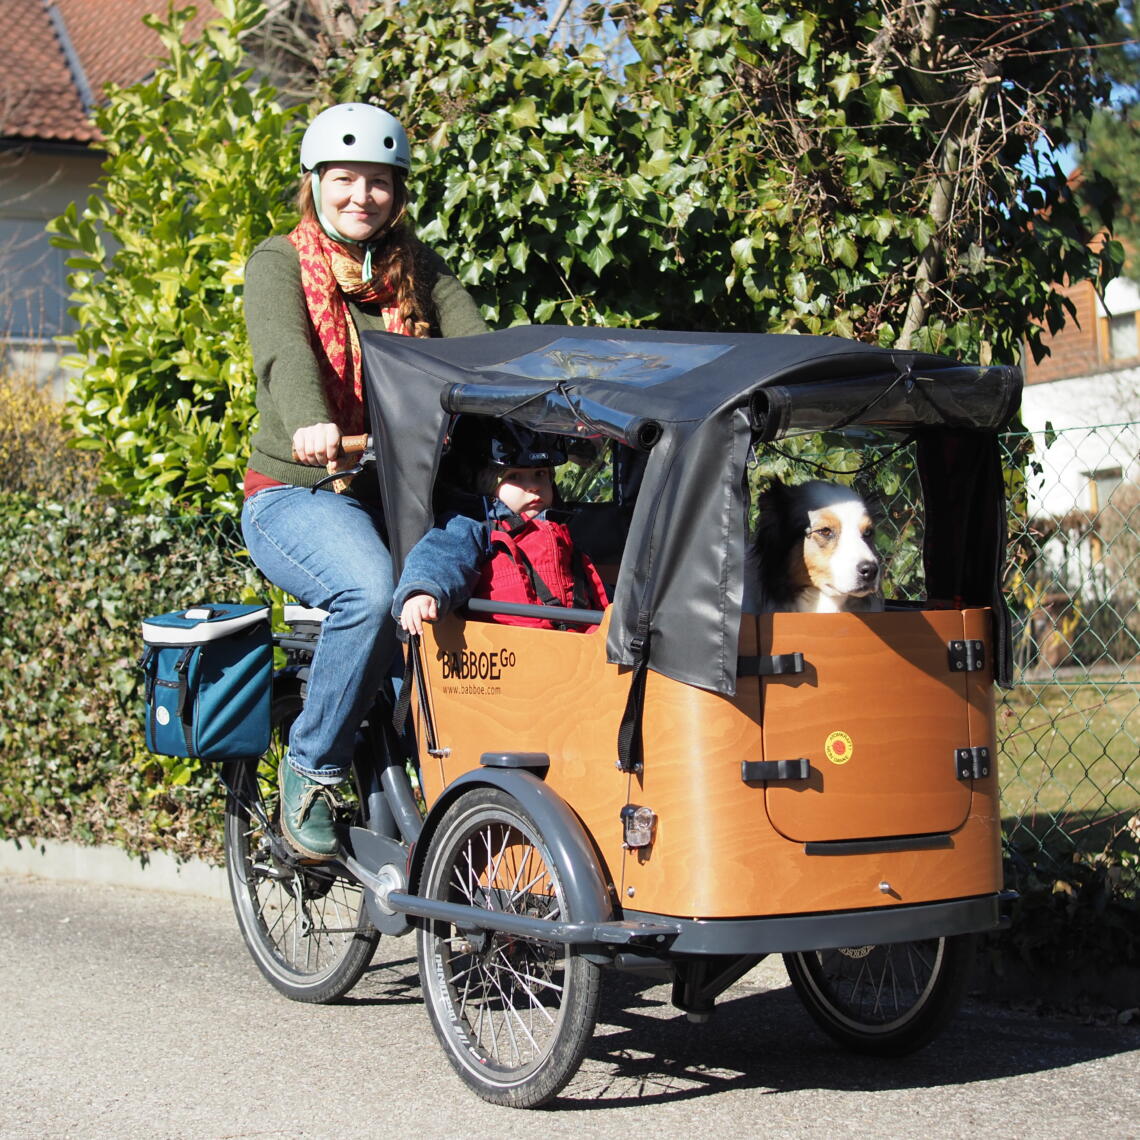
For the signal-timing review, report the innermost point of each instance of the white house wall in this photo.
(1097, 424)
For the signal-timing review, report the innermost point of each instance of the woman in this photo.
(350, 264)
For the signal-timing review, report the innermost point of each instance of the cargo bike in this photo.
(689, 786)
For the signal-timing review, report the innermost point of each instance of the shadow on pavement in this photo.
(645, 1051)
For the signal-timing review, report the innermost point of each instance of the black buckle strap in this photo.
(185, 716)
(754, 771)
(414, 675)
(149, 675)
(404, 700)
(762, 666)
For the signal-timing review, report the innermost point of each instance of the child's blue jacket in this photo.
(445, 563)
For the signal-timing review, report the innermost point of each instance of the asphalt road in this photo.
(130, 1013)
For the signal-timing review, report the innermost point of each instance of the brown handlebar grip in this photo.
(354, 444)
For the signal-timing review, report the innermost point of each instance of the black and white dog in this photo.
(813, 552)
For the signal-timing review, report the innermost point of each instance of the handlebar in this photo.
(354, 444)
(350, 445)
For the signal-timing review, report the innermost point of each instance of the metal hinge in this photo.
(971, 763)
(967, 656)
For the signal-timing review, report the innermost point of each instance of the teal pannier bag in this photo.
(208, 679)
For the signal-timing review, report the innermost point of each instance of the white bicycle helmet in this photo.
(355, 132)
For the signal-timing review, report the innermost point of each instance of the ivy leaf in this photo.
(887, 102)
(798, 35)
(844, 250)
(742, 251)
(844, 84)
(658, 163)
(597, 257)
(524, 113)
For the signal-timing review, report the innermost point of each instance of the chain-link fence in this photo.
(1069, 730)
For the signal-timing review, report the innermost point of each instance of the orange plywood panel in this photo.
(716, 851)
(878, 713)
(711, 827)
(497, 688)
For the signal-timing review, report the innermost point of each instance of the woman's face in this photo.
(357, 197)
(527, 491)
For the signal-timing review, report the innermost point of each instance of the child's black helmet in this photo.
(511, 446)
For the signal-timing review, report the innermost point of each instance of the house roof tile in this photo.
(63, 54)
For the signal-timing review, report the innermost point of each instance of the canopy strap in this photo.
(630, 755)
(414, 676)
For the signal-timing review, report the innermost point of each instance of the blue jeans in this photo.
(329, 551)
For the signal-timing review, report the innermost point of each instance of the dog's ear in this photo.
(770, 540)
(770, 503)
(767, 513)
(775, 494)
(876, 508)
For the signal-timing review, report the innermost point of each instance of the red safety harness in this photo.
(533, 561)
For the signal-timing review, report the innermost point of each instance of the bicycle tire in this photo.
(305, 925)
(886, 1000)
(514, 1015)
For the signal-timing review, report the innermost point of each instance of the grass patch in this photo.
(1070, 749)
(1069, 768)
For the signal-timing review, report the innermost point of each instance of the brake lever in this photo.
(347, 473)
(367, 456)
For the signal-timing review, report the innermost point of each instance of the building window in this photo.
(1118, 310)
(1122, 339)
(33, 282)
(1101, 485)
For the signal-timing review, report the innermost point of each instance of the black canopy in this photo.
(695, 402)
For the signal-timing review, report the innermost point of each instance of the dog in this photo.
(813, 552)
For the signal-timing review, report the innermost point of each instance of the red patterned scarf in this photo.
(328, 276)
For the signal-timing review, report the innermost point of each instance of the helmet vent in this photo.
(389, 144)
(348, 140)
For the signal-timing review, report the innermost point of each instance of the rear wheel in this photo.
(305, 925)
(514, 1014)
(885, 1000)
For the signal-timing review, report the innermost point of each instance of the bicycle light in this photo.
(638, 823)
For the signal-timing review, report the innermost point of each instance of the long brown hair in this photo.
(398, 256)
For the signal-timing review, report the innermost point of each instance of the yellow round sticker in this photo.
(838, 747)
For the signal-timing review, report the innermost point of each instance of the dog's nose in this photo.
(867, 571)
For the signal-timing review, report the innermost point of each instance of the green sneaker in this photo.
(308, 813)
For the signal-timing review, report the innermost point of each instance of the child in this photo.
(516, 554)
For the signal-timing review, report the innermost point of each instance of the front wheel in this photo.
(305, 924)
(884, 1000)
(514, 1015)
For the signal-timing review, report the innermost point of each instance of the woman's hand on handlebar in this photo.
(418, 609)
(322, 445)
(316, 445)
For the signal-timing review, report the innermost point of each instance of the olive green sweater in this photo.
(289, 390)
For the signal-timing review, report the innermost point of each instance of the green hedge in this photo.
(78, 579)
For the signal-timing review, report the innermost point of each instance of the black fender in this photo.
(584, 876)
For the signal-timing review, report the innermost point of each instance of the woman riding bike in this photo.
(351, 264)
